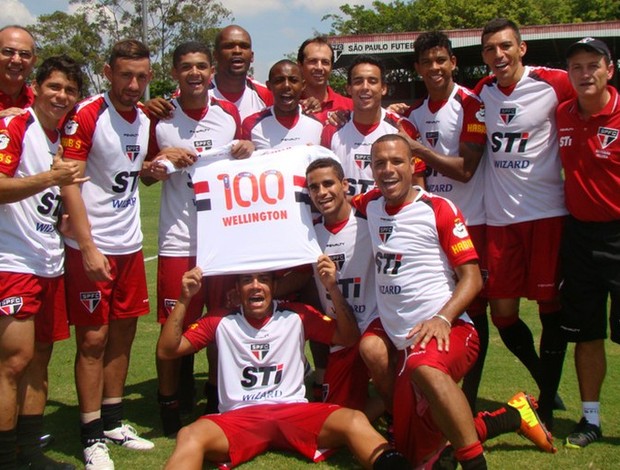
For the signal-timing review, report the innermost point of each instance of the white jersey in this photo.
(459, 119)
(416, 249)
(177, 213)
(262, 365)
(523, 175)
(30, 242)
(265, 130)
(350, 248)
(114, 150)
(255, 97)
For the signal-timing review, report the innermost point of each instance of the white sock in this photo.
(591, 412)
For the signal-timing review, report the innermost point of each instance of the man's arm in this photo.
(347, 332)
(61, 173)
(172, 343)
(438, 326)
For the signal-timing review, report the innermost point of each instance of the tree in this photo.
(90, 33)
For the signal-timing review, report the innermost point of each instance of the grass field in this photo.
(502, 378)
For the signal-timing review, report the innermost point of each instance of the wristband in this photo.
(441, 317)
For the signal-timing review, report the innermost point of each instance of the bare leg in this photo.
(201, 439)
(375, 352)
(116, 359)
(34, 385)
(591, 366)
(91, 344)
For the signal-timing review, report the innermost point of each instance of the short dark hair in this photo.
(326, 162)
(188, 48)
(128, 49)
(391, 138)
(499, 24)
(61, 63)
(283, 62)
(430, 40)
(320, 40)
(366, 59)
(16, 26)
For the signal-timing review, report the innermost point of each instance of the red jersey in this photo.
(25, 99)
(333, 102)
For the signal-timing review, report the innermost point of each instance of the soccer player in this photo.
(261, 378)
(369, 121)
(450, 124)
(316, 59)
(524, 201)
(108, 136)
(427, 274)
(588, 128)
(283, 124)
(199, 123)
(32, 296)
(17, 58)
(343, 235)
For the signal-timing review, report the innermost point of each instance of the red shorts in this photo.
(24, 295)
(523, 259)
(97, 303)
(170, 272)
(478, 235)
(255, 429)
(415, 433)
(346, 376)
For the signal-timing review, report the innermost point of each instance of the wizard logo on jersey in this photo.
(132, 151)
(385, 232)
(432, 138)
(606, 136)
(169, 305)
(338, 259)
(362, 160)
(202, 145)
(259, 351)
(90, 300)
(11, 305)
(507, 114)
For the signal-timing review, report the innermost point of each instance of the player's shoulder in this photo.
(260, 89)
(485, 82)
(465, 95)
(226, 106)
(91, 103)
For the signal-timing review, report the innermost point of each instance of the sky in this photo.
(277, 27)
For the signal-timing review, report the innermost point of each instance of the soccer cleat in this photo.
(584, 433)
(532, 427)
(127, 436)
(97, 457)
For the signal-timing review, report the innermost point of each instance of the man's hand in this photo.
(327, 271)
(242, 149)
(398, 108)
(338, 118)
(310, 105)
(434, 327)
(11, 112)
(65, 173)
(160, 108)
(96, 265)
(191, 283)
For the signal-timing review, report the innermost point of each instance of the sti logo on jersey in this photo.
(507, 114)
(606, 136)
(90, 300)
(11, 305)
(338, 259)
(432, 138)
(259, 351)
(362, 160)
(169, 305)
(202, 145)
(132, 151)
(385, 232)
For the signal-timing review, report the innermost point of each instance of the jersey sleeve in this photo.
(232, 110)
(11, 144)
(317, 327)
(360, 201)
(327, 134)
(558, 79)
(202, 333)
(474, 129)
(77, 134)
(453, 235)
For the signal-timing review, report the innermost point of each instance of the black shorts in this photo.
(591, 270)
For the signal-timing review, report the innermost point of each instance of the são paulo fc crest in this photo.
(202, 145)
(259, 351)
(338, 259)
(11, 306)
(432, 138)
(507, 114)
(169, 305)
(71, 127)
(90, 300)
(362, 160)
(385, 232)
(132, 151)
(606, 136)
(4, 140)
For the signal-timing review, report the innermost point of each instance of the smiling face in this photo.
(193, 73)
(286, 84)
(328, 194)
(55, 97)
(256, 293)
(366, 87)
(589, 73)
(436, 67)
(234, 52)
(317, 64)
(392, 168)
(16, 56)
(503, 54)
